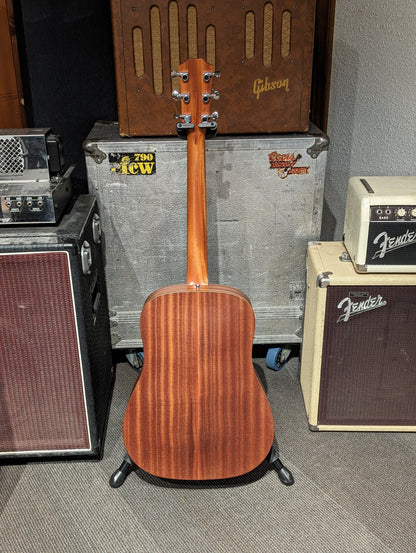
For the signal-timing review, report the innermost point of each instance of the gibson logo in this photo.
(352, 308)
(260, 86)
(388, 243)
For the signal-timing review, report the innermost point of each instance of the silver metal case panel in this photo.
(264, 204)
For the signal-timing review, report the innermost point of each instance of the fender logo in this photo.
(260, 86)
(285, 164)
(388, 244)
(352, 308)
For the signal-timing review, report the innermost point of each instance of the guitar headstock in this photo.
(195, 95)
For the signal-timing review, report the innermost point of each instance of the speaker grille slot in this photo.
(192, 32)
(138, 51)
(42, 403)
(210, 44)
(175, 59)
(250, 32)
(286, 34)
(268, 34)
(156, 50)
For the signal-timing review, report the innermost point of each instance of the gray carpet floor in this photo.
(353, 492)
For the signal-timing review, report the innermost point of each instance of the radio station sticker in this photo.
(142, 163)
(287, 164)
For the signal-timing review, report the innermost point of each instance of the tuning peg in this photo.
(214, 95)
(177, 96)
(182, 74)
(186, 118)
(208, 75)
(213, 117)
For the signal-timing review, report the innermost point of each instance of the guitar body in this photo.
(198, 410)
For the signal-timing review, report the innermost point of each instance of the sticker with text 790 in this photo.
(143, 163)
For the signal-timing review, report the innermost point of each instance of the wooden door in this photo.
(12, 113)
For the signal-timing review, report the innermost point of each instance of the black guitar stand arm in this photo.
(284, 474)
(126, 467)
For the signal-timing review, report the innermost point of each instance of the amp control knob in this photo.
(413, 212)
(401, 212)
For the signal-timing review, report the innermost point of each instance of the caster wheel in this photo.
(276, 358)
(135, 359)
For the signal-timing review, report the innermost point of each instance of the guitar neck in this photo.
(196, 91)
(197, 259)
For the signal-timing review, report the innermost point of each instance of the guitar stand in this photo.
(127, 466)
(284, 474)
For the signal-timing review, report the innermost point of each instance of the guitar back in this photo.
(198, 410)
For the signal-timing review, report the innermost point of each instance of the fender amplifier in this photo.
(358, 367)
(56, 366)
(380, 224)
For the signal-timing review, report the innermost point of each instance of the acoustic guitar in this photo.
(198, 410)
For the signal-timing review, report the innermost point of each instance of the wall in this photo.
(66, 52)
(371, 120)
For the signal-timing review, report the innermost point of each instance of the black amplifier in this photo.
(380, 224)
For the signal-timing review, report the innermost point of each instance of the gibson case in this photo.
(264, 203)
(358, 353)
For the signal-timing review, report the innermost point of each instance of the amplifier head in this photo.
(380, 224)
(34, 185)
(262, 48)
(29, 154)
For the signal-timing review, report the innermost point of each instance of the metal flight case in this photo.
(264, 204)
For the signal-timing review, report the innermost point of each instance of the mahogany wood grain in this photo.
(198, 410)
(197, 264)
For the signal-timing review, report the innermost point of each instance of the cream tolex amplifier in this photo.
(380, 224)
(35, 186)
(358, 350)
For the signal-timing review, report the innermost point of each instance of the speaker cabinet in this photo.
(56, 369)
(358, 366)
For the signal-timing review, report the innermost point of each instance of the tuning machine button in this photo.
(215, 95)
(207, 75)
(213, 117)
(209, 123)
(183, 126)
(177, 96)
(186, 118)
(182, 74)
